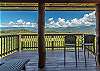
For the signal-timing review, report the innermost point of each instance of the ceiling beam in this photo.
(48, 6)
(51, 1)
(47, 9)
(4, 4)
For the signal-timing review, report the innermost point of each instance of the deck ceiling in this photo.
(52, 1)
(48, 6)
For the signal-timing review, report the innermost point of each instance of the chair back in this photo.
(70, 39)
(89, 38)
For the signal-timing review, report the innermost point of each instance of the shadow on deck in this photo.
(55, 61)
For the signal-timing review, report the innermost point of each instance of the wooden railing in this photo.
(52, 41)
(29, 41)
(8, 44)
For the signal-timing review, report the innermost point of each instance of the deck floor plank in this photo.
(55, 61)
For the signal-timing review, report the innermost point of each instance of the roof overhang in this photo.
(51, 1)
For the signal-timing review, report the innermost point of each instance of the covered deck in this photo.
(55, 58)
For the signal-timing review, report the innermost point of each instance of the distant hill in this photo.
(83, 29)
(90, 29)
(15, 31)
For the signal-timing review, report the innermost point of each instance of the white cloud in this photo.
(61, 21)
(87, 20)
(50, 19)
(18, 23)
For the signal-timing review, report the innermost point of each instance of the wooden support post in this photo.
(98, 33)
(41, 40)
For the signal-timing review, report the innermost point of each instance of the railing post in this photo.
(98, 32)
(64, 52)
(19, 42)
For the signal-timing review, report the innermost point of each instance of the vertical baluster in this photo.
(32, 41)
(61, 41)
(22, 42)
(28, 38)
(52, 43)
(78, 44)
(53, 40)
(58, 42)
(17, 41)
(8, 44)
(25, 42)
(11, 44)
(47, 40)
(4, 46)
(35, 42)
(64, 53)
(1, 46)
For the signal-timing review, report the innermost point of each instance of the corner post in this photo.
(98, 33)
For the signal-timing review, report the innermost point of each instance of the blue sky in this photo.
(7, 16)
(68, 15)
(55, 18)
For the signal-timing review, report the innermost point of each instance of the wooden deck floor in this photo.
(55, 61)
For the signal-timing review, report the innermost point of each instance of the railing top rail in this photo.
(45, 34)
(4, 35)
(54, 33)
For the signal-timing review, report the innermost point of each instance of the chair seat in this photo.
(70, 44)
(88, 44)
